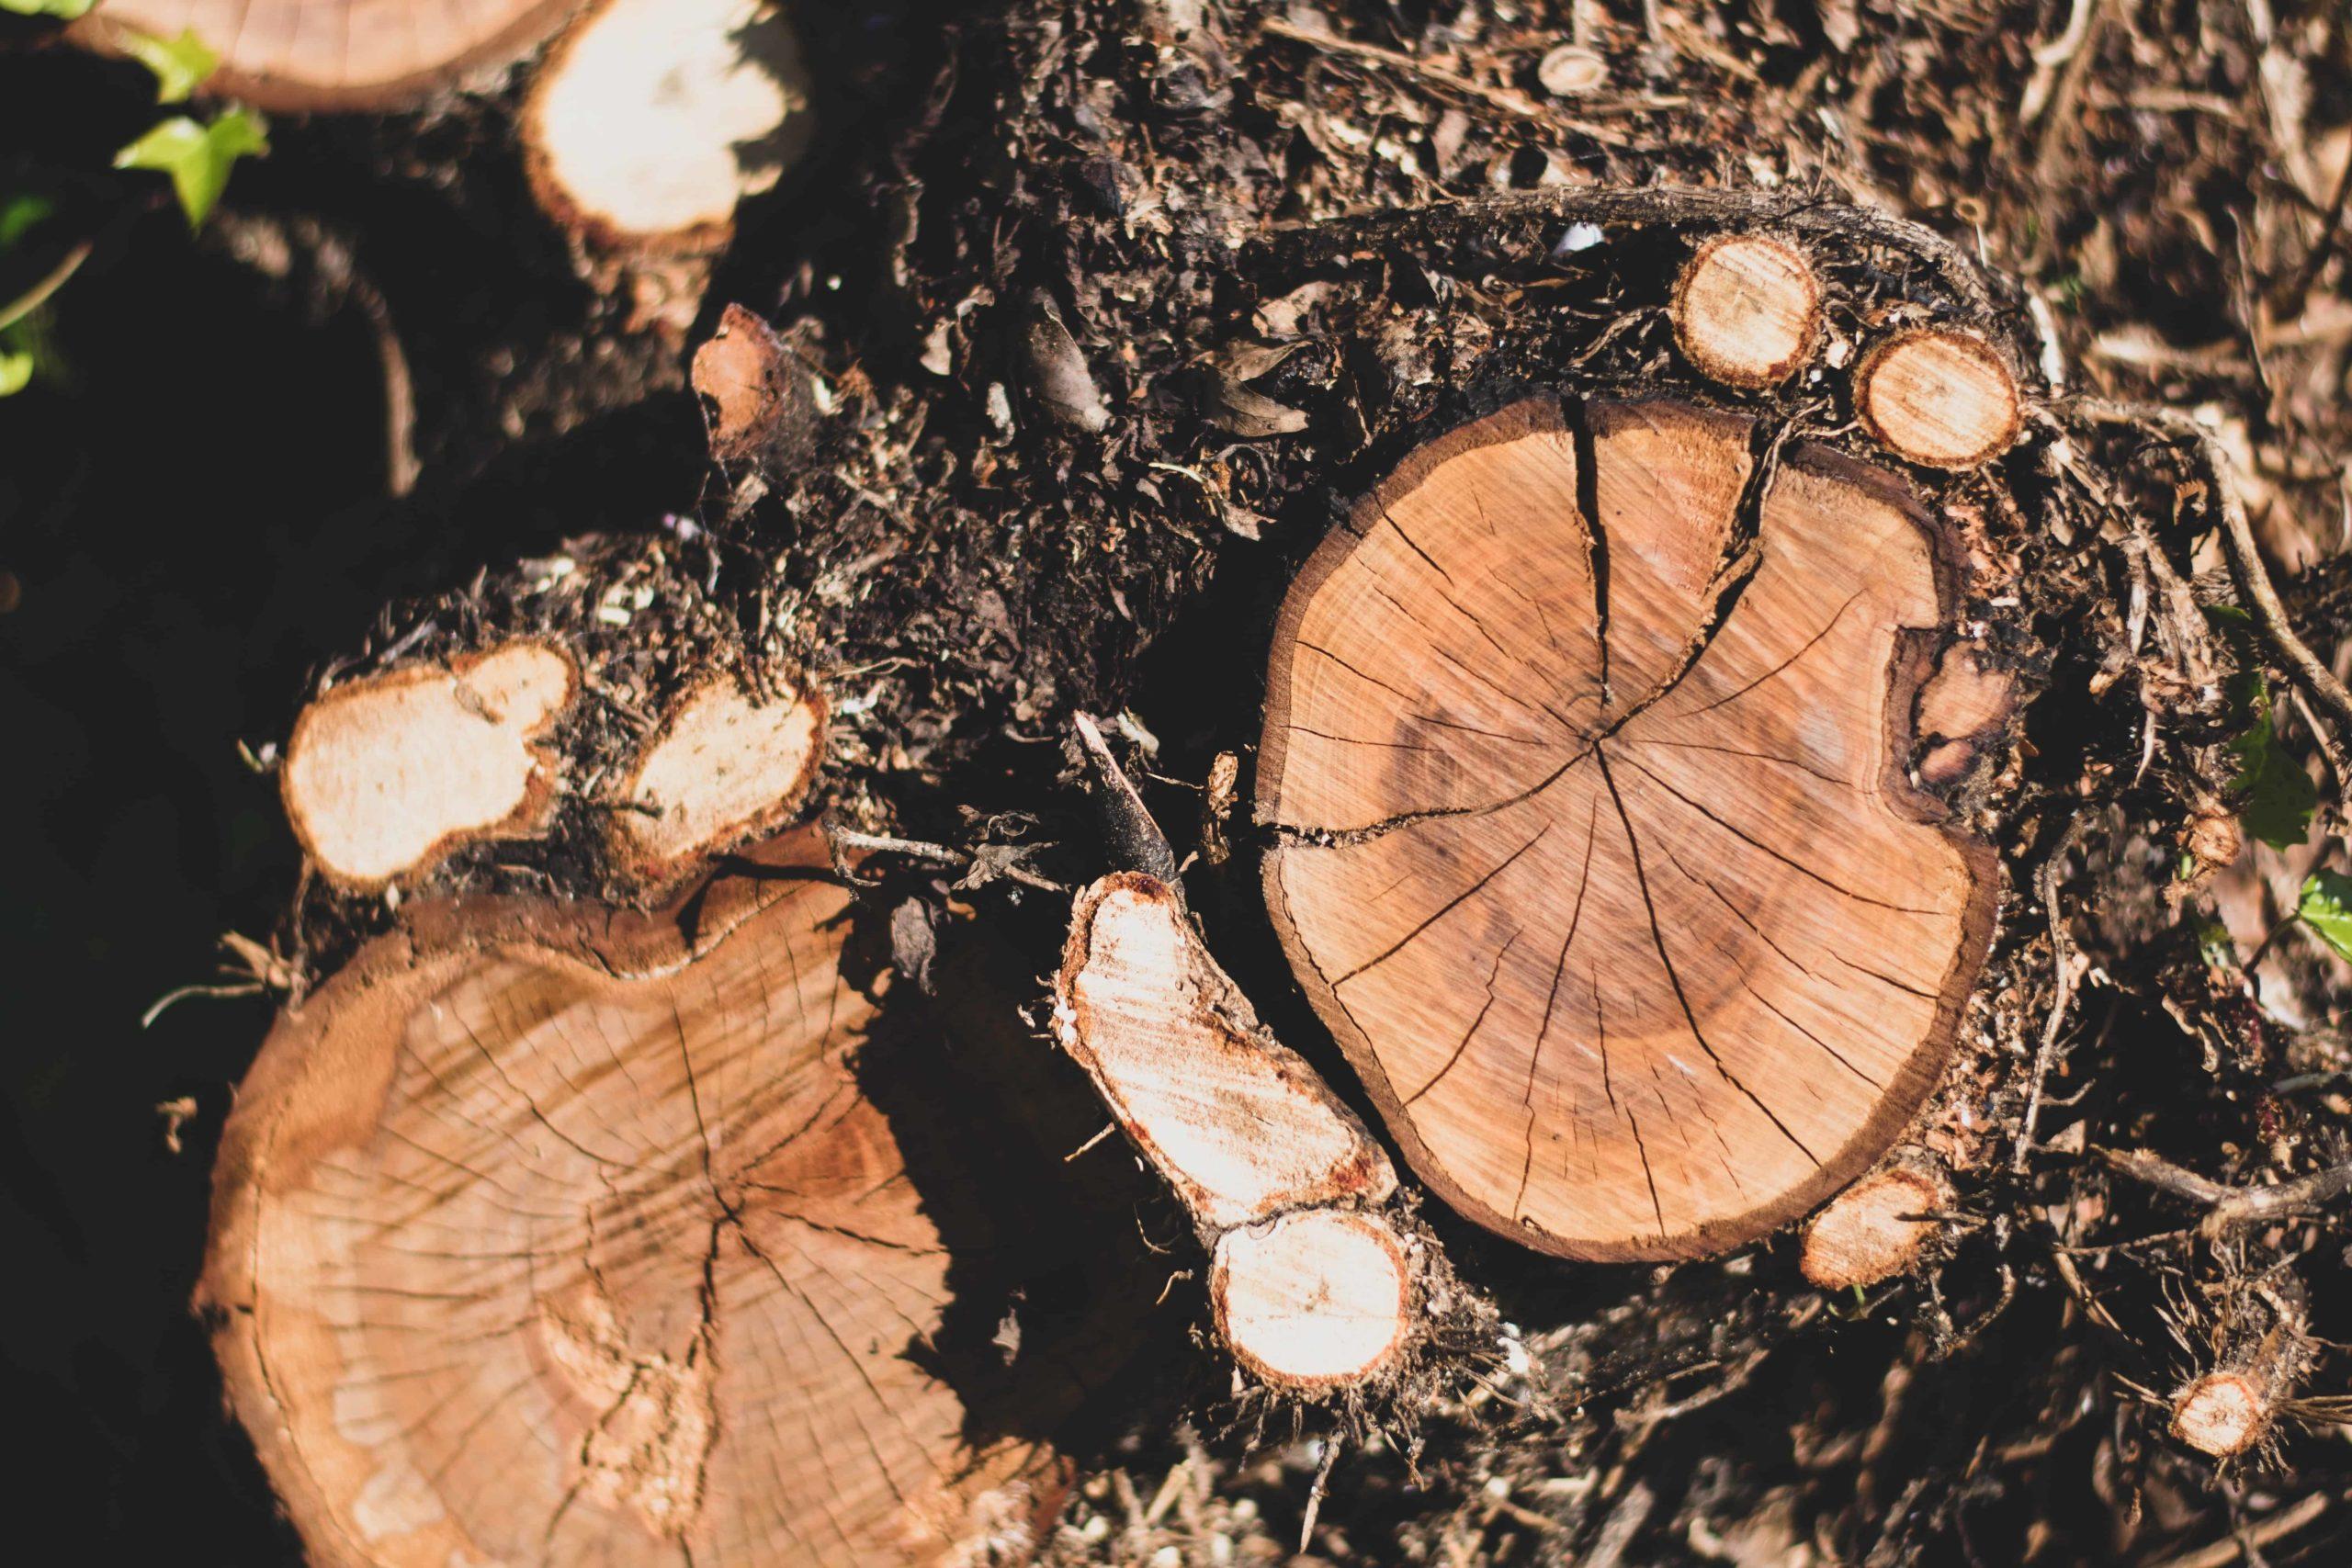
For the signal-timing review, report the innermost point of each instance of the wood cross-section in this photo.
(304, 54)
(1594, 843)
(560, 1235)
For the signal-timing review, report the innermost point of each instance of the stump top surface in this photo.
(1595, 846)
(299, 54)
(565, 1236)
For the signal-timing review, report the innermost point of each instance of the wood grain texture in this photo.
(1746, 309)
(649, 120)
(1607, 877)
(1236, 1122)
(324, 54)
(726, 764)
(1316, 1299)
(387, 775)
(562, 1234)
(1938, 396)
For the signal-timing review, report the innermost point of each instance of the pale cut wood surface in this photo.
(1321, 1298)
(1938, 396)
(2223, 1414)
(1234, 1119)
(555, 1234)
(294, 54)
(726, 764)
(1872, 1230)
(386, 775)
(1639, 976)
(649, 119)
(1746, 310)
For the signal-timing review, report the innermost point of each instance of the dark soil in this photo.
(200, 520)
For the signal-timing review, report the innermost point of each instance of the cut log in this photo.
(1319, 1299)
(1873, 1230)
(650, 119)
(327, 54)
(1938, 396)
(1235, 1120)
(554, 1233)
(2262, 1347)
(1609, 881)
(387, 776)
(1746, 309)
(727, 765)
(2222, 1413)
(1311, 1292)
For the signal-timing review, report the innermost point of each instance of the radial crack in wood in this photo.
(1938, 396)
(1594, 846)
(727, 764)
(1746, 309)
(556, 1234)
(322, 54)
(387, 775)
(650, 119)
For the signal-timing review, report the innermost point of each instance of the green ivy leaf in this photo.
(180, 65)
(2216, 946)
(198, 157)
(69, 9)
(15, 357)
(21, 214)
(2326, 906)
(2275, 796)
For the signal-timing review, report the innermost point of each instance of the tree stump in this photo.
(1596, 842)
(556, 1234)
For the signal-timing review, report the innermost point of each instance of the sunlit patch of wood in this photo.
(1873, 1230)
(1594, 846)
(387, 775)
(1314, 1300)
(1234, 1119)
(2222, 1413)
(725, 765)
(1939, 396)
(310, 54)
(1746, 309)
(649, 120)
(556, 1234)
(1310, 1285)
